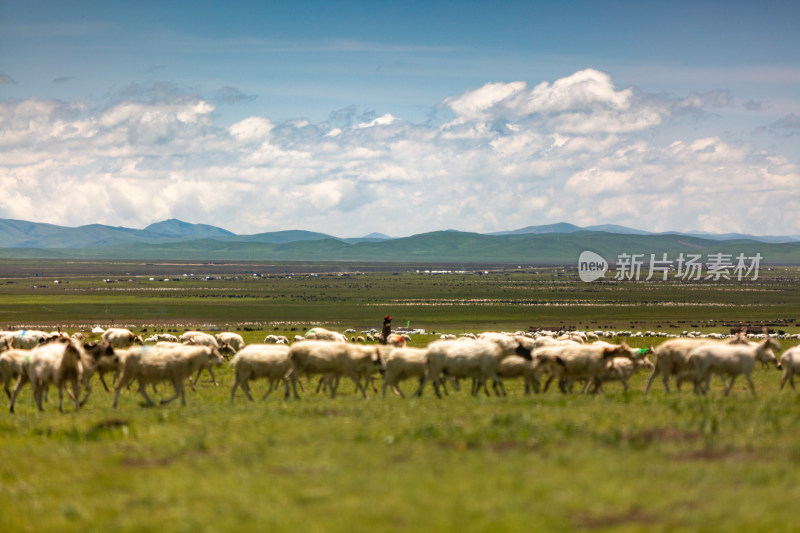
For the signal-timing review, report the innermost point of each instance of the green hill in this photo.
(435, 247)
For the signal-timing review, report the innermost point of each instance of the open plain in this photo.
(576, 462)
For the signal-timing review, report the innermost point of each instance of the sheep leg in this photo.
(294, 383)
(21, 380)
(143, 392)
(656, 371)
(730, 386)
(750, 383)
(178, 387)
(547, 383)
(359, 386)
(235, 385)
(37, 394)
(396, 390)
(77, 391)
(101, 373)
(88, 390)
(498, 384)
(271, 388)
(422, 381)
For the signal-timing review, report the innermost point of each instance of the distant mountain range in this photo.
(553, 243)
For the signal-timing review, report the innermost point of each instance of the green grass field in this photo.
(548, 462)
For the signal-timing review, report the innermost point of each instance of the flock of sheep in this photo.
(43, 359)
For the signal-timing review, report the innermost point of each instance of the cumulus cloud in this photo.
(507, 156)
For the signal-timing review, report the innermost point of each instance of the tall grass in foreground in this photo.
(519, 463)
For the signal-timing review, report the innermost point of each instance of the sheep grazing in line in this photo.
(672, 359)
(56, 363)
(730, 360)
(229, 342)
(262, 361)
(402, 364)
(322, 334)
(120, 337)
(151, 365)
(335, 359)
(790, 363)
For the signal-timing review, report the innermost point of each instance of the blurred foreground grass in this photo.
(547, 462)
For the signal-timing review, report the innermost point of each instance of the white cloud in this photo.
(577, 149)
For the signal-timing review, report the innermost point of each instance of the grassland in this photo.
(620, 461)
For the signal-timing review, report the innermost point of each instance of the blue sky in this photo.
(352, 117)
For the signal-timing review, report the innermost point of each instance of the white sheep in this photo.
(730, 360)
(121, 337)
(515, 366)
(161, 337)
(335, 359)
(569, 361)
(199, 338)
(322, 334)
(56, 363)
(151, 365)
(790, 363)
(474, 359)
(96, 357)
(261, 361)
(26, 339)
(209, 367)
(672, 359)
(229, 342)
(401, 364)
(623, 368)
(11, 367)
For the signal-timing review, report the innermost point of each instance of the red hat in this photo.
(387, 318)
